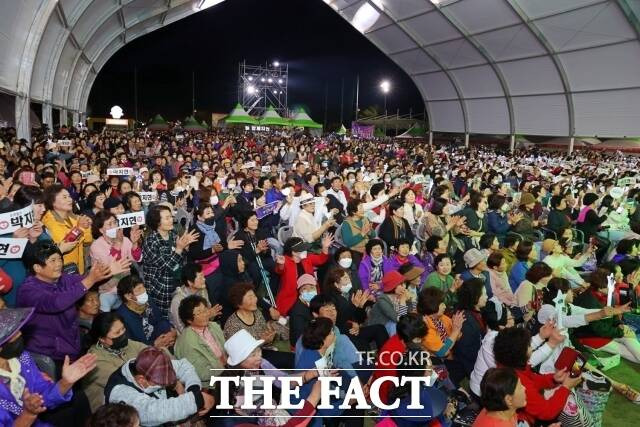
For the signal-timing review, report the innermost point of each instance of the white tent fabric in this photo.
(539, 67)
(578, 142)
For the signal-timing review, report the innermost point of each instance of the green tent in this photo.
(158, 123)
(204, 125)
(379, 133)
(239, 116)
(301, 119)
(415, 131)
(191, 124)
(342, 130)
(272, 118)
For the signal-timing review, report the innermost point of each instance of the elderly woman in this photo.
(205, 250)
(112, 348)
(162, 252)
(25, 393)
(356, 229)
(246, 316)
(402, 257)
(527, 224)
(371, 269)
(476, 224)
(202, 341)
(412, 210)
(294, 263)
(193, 283)
(63, 225)
(395, 228)
(110, 244)
(442, 331)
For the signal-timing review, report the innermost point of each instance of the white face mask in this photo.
(345, 262)
(346, 288)
(324, 193)
(111, 233)
(142, 298)
(302, 255)
(387, 180)
(213, 200)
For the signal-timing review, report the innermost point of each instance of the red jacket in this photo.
(391, 353)
(288, 293)
(539, 408)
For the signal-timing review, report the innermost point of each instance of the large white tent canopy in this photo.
(538, 67)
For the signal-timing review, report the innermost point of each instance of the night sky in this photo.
(317, 43)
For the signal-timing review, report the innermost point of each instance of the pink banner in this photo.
(362, 131)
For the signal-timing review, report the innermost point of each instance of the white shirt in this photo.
(304, 226)
(340, 196)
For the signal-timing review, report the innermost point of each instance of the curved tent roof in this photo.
(302, 119)
(414, 132)
(239, 116)
(158, 123)
(531, 67)
(191, 124)
(272, 118)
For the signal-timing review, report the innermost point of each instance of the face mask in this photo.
(324, 193)
(142, 298)
(345, 262)
(210, 221)
(387, 180)
(302, 255)
(11, 350)
(505, 208)
(213, 200)
(352, 180)
(118, 343)
(308, 296)
(346, 288)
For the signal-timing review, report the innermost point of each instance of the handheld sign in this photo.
(611, 285)
(64, 143)
(559, 302)
(267, 209)
(120, 171)
(130, 219)
(11, 221)
(148, 196)
(12, 248)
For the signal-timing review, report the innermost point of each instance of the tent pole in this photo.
(512, 144)
(571, 142)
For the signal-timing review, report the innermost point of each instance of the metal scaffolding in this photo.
(263, 86)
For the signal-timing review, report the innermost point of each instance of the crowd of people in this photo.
(156, 260)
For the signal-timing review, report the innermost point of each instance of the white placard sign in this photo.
(120, 171)
(130, 219)
(11, 221)
(12, 248)
(148, 196)
(64, 143)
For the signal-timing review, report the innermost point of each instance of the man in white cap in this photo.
(305, 226)
(476, 264)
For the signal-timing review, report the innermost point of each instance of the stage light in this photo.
(270, 80)
(367, 16)
(276, 63)
(385, 85)
(280, 81)
(251, 89)
(250, 78)
(116, 112)
(262, 80)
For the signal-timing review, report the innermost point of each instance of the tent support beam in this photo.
(512, 143)
(571, 142)
(466, 140)
(430, 138)
(23, 121)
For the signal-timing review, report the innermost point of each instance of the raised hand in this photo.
(327, 241)
(547, 329)
(72, 372)
(457, 320)
(98, 273)
(262, 246)
(215, 311)
(186, 239)
(21, 233)
(280, 259)
(120, 266)
(235, 244)
(136, 235)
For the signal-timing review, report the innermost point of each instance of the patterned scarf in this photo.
(16, 381)
(210, 235)
(442, 332)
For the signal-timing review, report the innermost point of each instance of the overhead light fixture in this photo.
(385, 85)
(250, 78)
(251, 89)
(262, 80)
(276, 63)
(206, 4)
(280, 81)
(270, 80)
(367, 15)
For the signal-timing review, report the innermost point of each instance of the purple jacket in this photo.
(35, 382)
(364, 271)
(53, 329)
(392, 264)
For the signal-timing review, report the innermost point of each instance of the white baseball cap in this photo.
(240, 346)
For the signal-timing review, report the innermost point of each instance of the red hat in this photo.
(156, 366)
(391, 280)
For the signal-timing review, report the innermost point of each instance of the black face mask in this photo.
(11, 350)
(120, 342)
(210, 221)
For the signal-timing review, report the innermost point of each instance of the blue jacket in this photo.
(498, 223)
(518, 273)
(155, 325)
